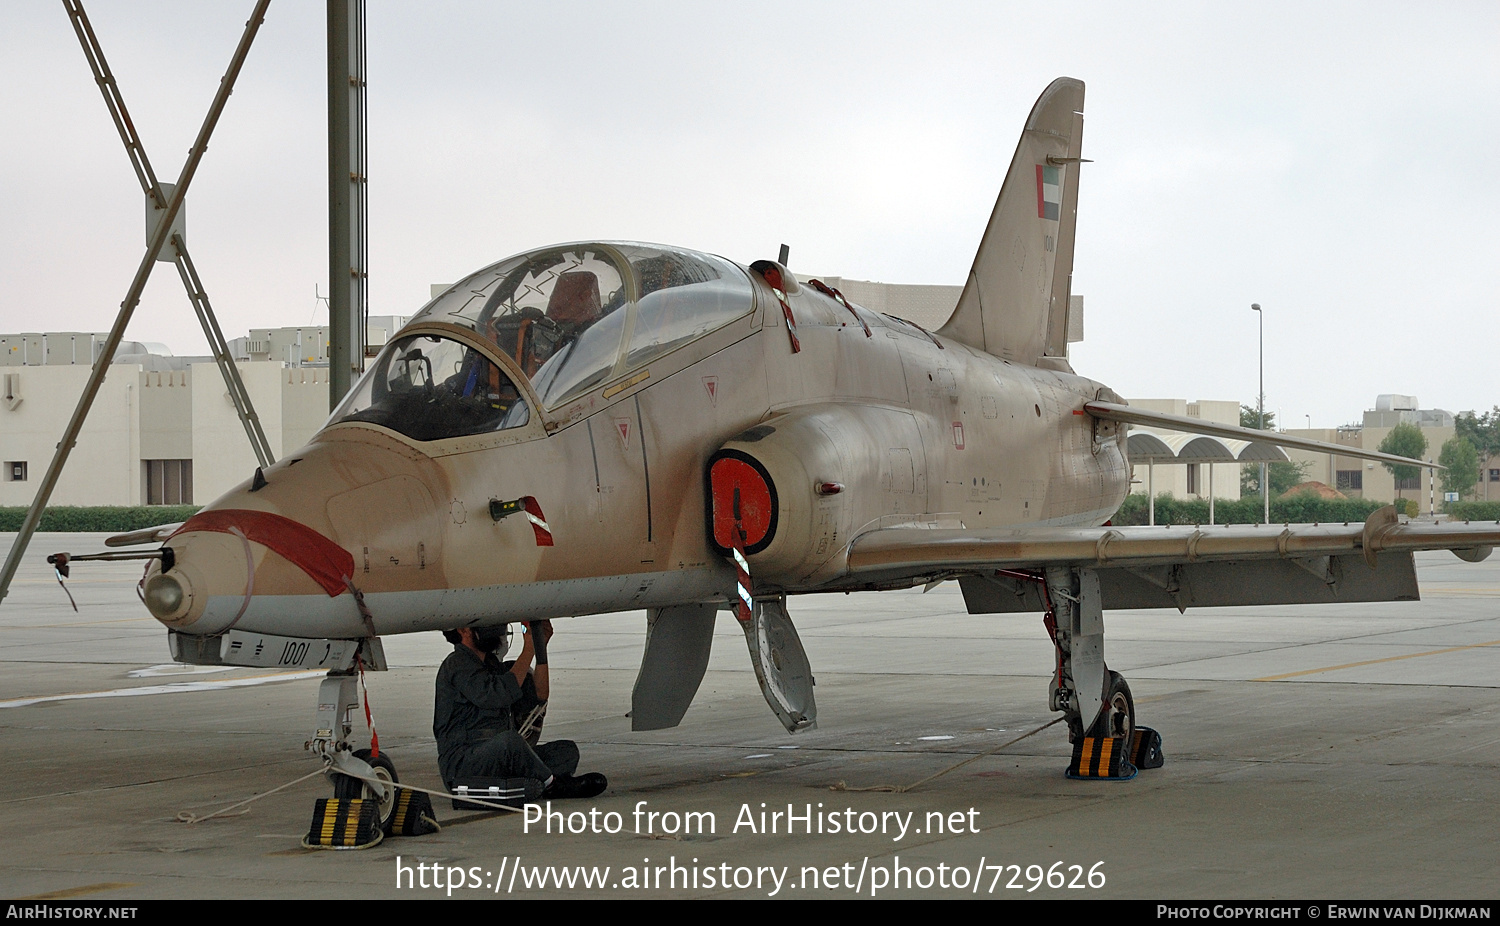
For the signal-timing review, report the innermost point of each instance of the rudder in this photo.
(1015, 301)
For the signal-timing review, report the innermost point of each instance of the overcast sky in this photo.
(1337, 163)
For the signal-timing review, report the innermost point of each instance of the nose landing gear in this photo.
(365, 795)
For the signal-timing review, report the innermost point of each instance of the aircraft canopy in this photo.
(576, 316)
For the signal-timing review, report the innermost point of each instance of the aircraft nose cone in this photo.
(168, 598)
(209, 577)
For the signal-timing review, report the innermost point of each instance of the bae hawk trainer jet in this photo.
(615, 426)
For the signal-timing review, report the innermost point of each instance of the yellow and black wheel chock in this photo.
(1101, 757)
(1115, 758)
(413, 814)
(1145, 751)
(344, 823)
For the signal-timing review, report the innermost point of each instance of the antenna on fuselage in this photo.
(785, 253)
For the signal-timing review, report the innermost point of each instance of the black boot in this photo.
(569, 786)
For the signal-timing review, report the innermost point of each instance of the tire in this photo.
(346, 788)
(1119, 716)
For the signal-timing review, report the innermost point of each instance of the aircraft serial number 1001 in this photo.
(616, 426)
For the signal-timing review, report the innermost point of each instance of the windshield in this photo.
(574, 317)
(429, 388)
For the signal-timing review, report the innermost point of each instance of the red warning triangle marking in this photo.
(622, 425)
(711, 384)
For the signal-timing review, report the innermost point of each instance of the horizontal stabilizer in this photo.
(1108, 411)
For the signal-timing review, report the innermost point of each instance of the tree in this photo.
(1404, 440)
(1482, 431)
(1462, 460)
(1282, 476)
(1250, 418)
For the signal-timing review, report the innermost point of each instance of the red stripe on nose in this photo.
(324, 561)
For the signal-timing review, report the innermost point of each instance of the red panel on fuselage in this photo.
(757, 506)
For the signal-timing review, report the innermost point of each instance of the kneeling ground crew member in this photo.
(474, 723)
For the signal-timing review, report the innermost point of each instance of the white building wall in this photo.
(304, 405)
(166, 411)
(103, 468)
(222, 458)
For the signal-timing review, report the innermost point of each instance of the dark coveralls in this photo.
(476, 731)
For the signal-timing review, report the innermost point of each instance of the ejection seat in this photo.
(575, 300)
(532, 336)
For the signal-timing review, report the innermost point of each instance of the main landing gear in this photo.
(1096, 701)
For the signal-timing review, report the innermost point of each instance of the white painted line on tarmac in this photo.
(175, 668)
(172, 688)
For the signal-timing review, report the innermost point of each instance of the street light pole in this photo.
(1265, 489)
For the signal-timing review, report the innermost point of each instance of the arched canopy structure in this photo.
(1142, 446)
(1151, 449)
(1255, 451)
(1196, 448)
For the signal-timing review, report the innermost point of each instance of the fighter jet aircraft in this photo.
(616, 426)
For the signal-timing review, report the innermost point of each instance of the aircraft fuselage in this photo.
(913, 429)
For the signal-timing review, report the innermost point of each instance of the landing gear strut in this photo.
(351, 770)
(1095, 700)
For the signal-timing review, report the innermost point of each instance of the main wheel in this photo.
(1119, 709)
(346, 788)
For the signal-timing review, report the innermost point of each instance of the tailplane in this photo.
(1015, 301)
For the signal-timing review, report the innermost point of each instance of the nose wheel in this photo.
(382, 795)
(1118, 716)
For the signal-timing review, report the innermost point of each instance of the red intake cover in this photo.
(731, 470)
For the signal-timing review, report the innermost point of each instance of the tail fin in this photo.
(1015, 302)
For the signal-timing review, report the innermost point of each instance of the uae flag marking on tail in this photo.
(1048, 192)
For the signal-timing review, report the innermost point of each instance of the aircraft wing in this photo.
(1109, 411)
(1174, 566)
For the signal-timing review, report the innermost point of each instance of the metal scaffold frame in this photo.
(114, 101)
(162, 234)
